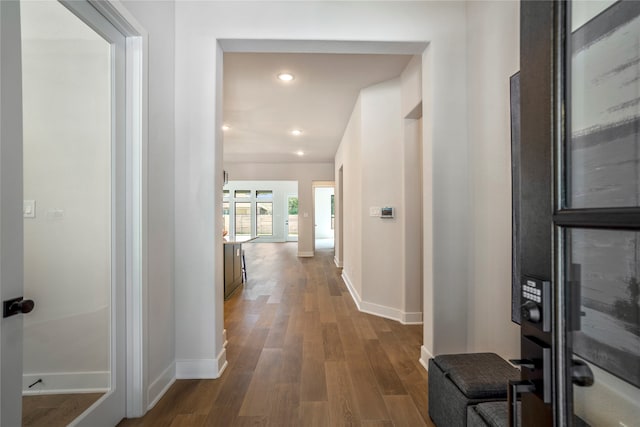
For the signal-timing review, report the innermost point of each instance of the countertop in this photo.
(230, 242)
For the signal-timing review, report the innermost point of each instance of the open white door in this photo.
(72, 206)
(10, 212)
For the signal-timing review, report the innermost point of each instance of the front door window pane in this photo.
(243, 218)
(603, 153)
(602, 270)
(264, 218)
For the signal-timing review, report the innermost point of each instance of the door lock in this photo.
(17, 306)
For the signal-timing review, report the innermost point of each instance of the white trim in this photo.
(137, 40)
(305, 254)
(414, 318)
(224, 338)
(159, 387)
(411, 318)
(202, 368)
(337, 262)
(425, 355)
(66, 383)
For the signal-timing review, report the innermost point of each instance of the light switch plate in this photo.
(29, 209)
(374, 211)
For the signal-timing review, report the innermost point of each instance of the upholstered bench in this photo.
(457, 381)
(490, 414)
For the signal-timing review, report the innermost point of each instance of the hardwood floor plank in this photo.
(313, 385)
(386, 376)
(259, 396)
(277, 332)
(286, 405)
(342, 408)
(403, 411)
(189, 420)
(364, 389)
(331, 342)
(314, 414)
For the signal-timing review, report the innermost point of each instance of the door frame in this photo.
(136, 149)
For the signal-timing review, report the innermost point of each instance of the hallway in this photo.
(301, 354)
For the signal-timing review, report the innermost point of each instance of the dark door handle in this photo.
(17, 306)
(581, 374)
(514, 390)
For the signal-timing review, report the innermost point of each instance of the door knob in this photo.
(17, 306)
(531, 312)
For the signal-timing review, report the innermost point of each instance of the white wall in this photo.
(349, 158)
(304, 174)
(412, 187)
(159, 297)
(67, 246)
(322, 210)
(492, 56)
(281, 190)
(381, 186)
(198, 166)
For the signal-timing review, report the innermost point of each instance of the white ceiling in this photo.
(262, 110)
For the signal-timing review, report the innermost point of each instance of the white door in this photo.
(71, 203)
(10, 212)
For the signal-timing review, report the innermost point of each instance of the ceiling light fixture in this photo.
(296, 132)
(285, 77)
(226, 127)
(300, 153)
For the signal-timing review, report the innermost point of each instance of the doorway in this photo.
(324, 216)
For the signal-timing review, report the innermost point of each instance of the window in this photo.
(264, 218)
(225, 194)
(242, 194)
(243, 218)
(264, 194)
(225, 216)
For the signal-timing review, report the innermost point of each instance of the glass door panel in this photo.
(292, 218)
(73, 87)
(600, 177)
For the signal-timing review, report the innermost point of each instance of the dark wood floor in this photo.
(301, 354)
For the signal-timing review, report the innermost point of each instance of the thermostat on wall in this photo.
(386, 212)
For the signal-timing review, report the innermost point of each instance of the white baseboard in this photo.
(160, 385)
(425, 355)
(305, 254)
(201, 368)
(412, 318)
(224, 338)
(66, 382)
(337, 262)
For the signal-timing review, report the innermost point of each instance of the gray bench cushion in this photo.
(478, 375)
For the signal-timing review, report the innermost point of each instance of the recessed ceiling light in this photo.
(226, 127)
(300, 153)
(285, 77)
(296, 132)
